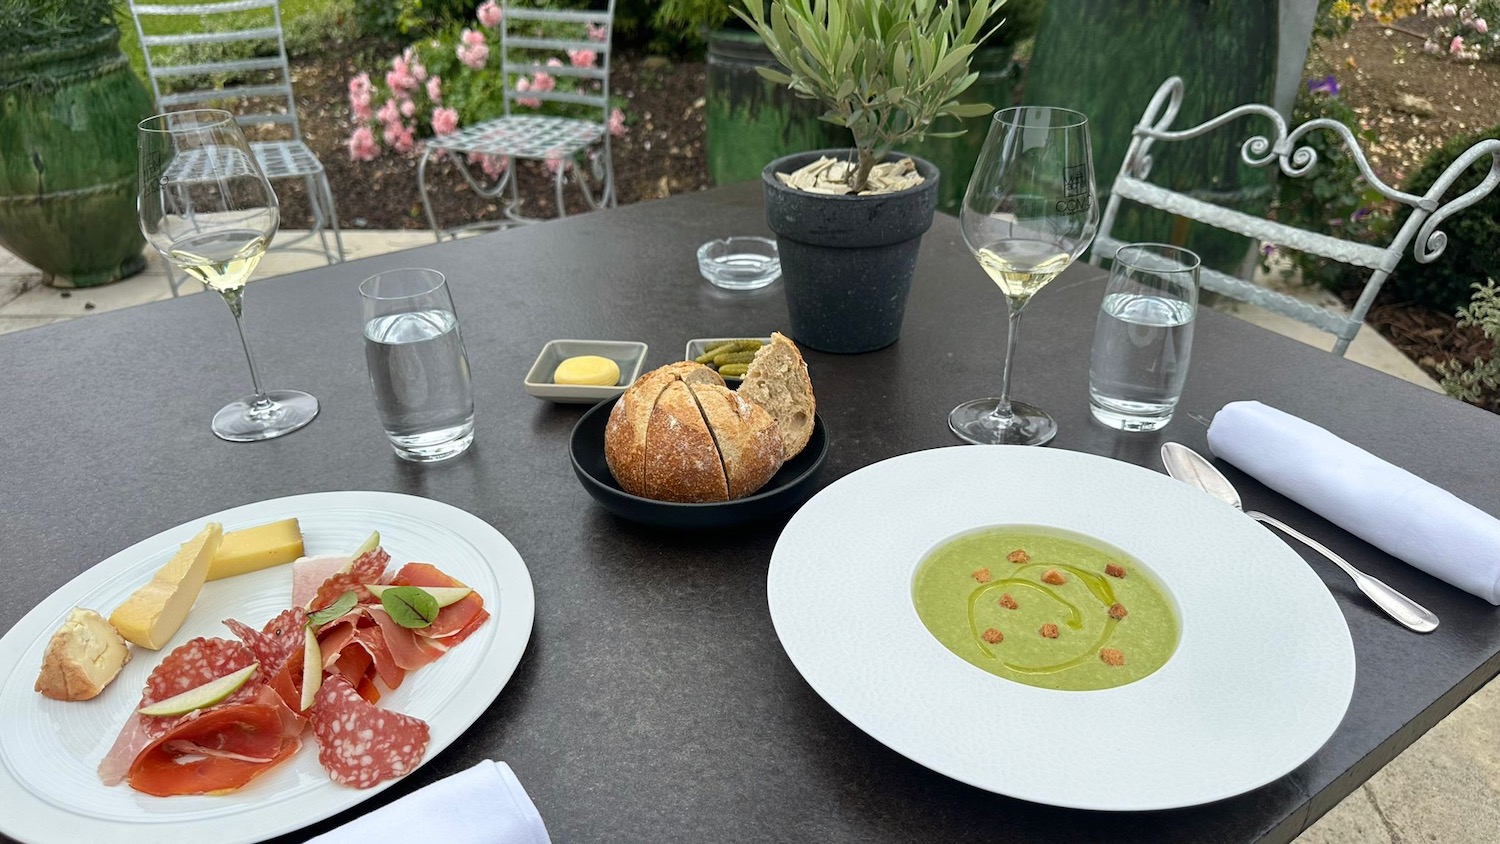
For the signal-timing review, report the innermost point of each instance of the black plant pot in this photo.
(847, 261)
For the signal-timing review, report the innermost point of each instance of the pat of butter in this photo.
(152, 615)
(587, 370)
(256, 548)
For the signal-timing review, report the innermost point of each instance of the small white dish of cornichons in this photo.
(585, 371)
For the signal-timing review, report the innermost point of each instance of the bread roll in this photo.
(682, 459)
(625, 435)
(777, 380)
(747, 437)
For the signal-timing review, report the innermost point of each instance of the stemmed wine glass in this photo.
(207, 208)
(1028, 214)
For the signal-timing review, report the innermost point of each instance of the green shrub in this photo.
(1478, 382)
(1473, 252)
(41, 23)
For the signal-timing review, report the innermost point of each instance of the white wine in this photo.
(223, 260)
(1022, 267)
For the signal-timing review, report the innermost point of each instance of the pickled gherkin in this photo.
(727, 358)
(734, 370)
(730, 358)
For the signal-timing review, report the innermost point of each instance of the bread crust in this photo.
(778, 381)
(625, 434)
(748, 440)
(682, 459)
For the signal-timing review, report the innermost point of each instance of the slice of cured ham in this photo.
(360, 744)
(218, 749)
(275, 643)
(189, 666)
(454, 622)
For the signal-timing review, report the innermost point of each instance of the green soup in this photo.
(1002, 611)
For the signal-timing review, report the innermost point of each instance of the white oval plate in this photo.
(1261, 678)
(50, 749)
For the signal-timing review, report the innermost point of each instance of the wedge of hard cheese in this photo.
(82, 658)
(256, 548)
(152, 615)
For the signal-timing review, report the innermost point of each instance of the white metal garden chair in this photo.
(257, 89)
(513, 137)
(1428, 211)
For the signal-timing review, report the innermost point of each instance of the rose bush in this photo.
(454, 79)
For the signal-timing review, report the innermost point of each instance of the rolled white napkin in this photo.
(1385, 505)
(482, 805)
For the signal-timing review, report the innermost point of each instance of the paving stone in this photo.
(1354, 821)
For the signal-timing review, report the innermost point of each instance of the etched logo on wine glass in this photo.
(1076, 194)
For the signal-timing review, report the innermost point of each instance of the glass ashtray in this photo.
(740, 263)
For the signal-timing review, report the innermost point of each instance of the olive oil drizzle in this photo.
(1097, 585)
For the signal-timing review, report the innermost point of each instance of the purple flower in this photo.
(1327, 85)
(1360, 214)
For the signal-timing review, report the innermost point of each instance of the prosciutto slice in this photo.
(218, 749)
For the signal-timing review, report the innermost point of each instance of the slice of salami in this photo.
(361, 744)
(370, 566)
(336, 586)
(273, 644)
(194, 663)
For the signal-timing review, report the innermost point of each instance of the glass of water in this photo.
(1144, 337)
(418, 368)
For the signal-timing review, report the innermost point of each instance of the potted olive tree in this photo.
(848, 223)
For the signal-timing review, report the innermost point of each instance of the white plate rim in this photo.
(29, 818)
(921, 701)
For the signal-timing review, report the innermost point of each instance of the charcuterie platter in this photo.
(51, 750)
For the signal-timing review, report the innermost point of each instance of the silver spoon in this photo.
(1190, 467)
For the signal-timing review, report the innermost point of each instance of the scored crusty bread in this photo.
(777, 380)
(747, 437)
(625, 435)
(682, 459)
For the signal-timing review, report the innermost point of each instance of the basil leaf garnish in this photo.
(410, 606)
(337, 609)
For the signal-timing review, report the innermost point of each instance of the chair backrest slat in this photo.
(1284, 148)
(555, 70)
(523, 53)
(182, 76)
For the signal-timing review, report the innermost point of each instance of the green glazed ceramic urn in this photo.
(68, 115)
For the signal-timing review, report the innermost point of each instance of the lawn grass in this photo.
(306, 24)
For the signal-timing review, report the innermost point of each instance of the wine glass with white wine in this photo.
(1028, 214)
(207, 208)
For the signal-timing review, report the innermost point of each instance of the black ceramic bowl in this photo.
(787, 488)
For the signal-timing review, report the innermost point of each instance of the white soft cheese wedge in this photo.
(152, 616)
(84, 655)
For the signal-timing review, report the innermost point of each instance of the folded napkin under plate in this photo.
(482, 805)
(1385, 505)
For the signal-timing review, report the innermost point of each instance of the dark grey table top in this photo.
(654, 703)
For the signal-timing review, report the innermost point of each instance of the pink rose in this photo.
(405, 141)
(582, 58)
(444, 121)
(522, 86)
(408, 108)
(555, 162)
(1456, 46)
(362, 145)
(361, 109)
(472, 38)
(542, 82)
(493, 166)
(1480, 26)
(435, 89)
(474, 57)
(554, 62)
(617, 123)
(391, 134)
(489, 14)
(388, 113)
(598, 33)
(359, 86)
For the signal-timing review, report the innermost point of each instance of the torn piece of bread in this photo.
(777, 380)
(84, 655)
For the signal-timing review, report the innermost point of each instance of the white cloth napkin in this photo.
(482, 805)
(1382, 504)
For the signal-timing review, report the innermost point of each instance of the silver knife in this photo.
(1188, 466)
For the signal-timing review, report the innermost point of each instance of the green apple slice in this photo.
(370, 545)
(444, 595)
(203, 696)
(312, 669)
